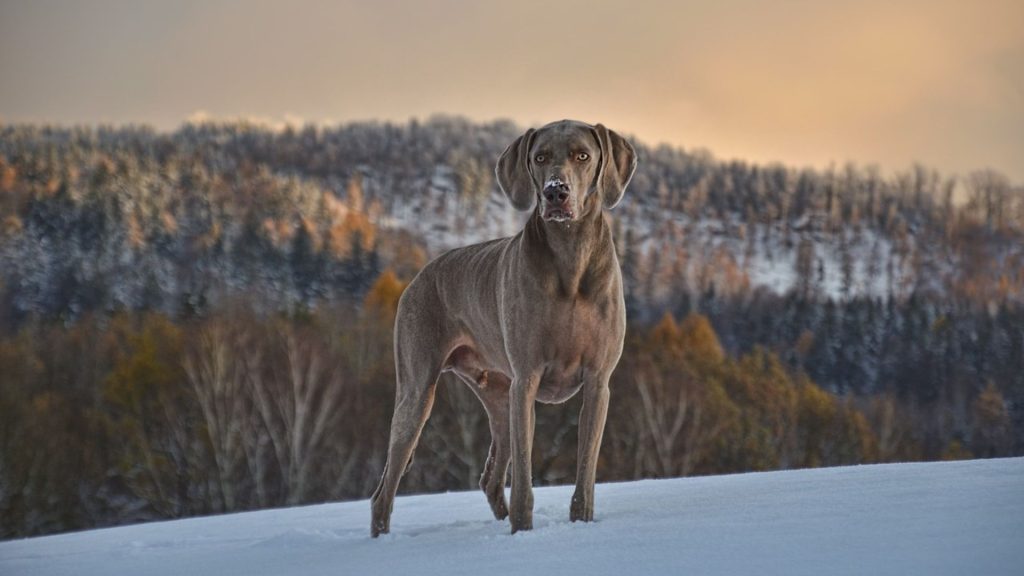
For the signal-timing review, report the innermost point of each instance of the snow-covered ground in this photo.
(938, 518)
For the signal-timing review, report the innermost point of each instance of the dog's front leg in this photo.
(591, 428)
(522, 404)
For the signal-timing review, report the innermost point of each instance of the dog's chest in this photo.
(581, 328)
(582, 341)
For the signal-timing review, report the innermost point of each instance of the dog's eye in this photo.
(540, 158)
(583, 156)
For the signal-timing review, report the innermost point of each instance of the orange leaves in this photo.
(382, 299)
(10, 226)
(699, 338)
(8, 175)
(169, 222)
(694, 339)
(279, 231)
(666, 335)
(354, 227)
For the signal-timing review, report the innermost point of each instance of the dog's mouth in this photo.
(557, 214)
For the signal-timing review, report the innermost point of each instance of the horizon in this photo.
(200, 118)
(936, 84)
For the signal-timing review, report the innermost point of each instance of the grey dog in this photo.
(534, 317)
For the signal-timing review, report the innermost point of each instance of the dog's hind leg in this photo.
(417, 369)
(412, 408)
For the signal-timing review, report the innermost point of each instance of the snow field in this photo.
(933, 518)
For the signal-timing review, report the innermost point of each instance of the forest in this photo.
(200, 321)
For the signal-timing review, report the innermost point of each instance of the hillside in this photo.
(939, 518)
(214, 209)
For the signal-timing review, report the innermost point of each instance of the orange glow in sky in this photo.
(801, 82)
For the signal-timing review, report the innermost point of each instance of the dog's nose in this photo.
(556, 192)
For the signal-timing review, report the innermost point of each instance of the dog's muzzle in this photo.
(556, 201)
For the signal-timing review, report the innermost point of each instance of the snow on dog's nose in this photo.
(556, 201)
(555, 191)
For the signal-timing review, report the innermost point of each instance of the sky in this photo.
(806, 83)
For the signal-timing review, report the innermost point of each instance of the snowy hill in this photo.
(936, 518)
(443, 221)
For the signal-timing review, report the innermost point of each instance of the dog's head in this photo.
(569, 166)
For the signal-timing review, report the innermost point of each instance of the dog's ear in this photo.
(618, 162)
(513, 172)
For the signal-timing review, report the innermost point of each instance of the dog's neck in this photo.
(581, 252)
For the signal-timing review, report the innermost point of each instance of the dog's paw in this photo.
(380, 523)
(500, 509)
(524, 522)
(581, 509)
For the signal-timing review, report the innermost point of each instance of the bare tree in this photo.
(217, 378)
(297, 393)
(671, 415)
